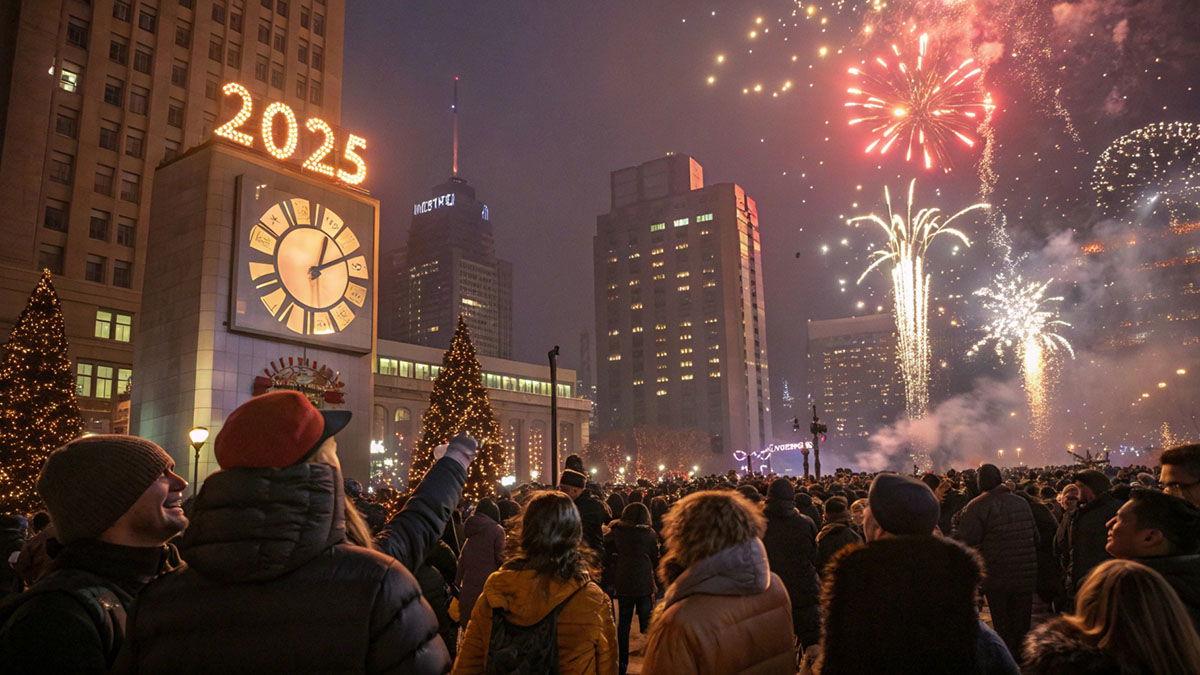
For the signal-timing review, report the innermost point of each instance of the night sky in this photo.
(555, 95)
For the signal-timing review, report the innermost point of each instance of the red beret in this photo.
(274, 430)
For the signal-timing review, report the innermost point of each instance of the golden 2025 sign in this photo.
(318, 160)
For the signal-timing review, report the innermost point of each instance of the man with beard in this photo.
(115, 501)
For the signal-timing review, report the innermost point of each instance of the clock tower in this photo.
(259, 276)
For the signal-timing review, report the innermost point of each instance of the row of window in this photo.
(100, 224)
(97, 268)
(680, 222)
(113, 325)
(425, 371)
(62, 170)
(98, 380)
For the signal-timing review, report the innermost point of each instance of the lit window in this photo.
(660, 355)
(710, 320)
(612, 260)
(638, 383)
(661, 392)
(635, 255)
(660, 326)
(705, 232)
(662, 378)
(83, 379)
(614, 332)
(685, 287)
(657, 251)
(388, 366)
(656, 263)
(636, 329)
(704, 218)
(715, 359)
(656, 227)
(714, 375)
(681, 275)
(680, 246)
(685, 364)
(68, 78)
(710, 284)
(659, 277)
(686, 350)
(680, 222)
(634, 282)
(685, 336)
(686, 376)
(636, 305)
(614, 357)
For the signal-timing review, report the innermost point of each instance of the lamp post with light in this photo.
(198, 436)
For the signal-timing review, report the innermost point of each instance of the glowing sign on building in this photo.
(431, 204)
(279, 119)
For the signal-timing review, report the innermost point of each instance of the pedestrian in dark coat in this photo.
(1049, 575)
(592, 511)
(115, 502)
(482, 554)
(1000, 525)
(791, 542)
(272, 583)
(616, 503)
(631, 549)
(837, 532)
(1087, 531)
(436, 576)
(12, 539)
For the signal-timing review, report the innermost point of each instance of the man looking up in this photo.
(115, 501)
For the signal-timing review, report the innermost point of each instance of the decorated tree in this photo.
(38, 409)
(459, 404)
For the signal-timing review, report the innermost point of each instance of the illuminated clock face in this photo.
(307, 268)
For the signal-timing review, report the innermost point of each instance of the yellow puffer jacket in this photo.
(587, 636)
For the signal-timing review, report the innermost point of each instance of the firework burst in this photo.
(915, 104)
(909, 236)
(1025, 323)
(1156, 165)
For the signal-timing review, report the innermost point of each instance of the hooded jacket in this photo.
(272, 586)
(632, 556)
(1086, 536)
(1001, 527)
(1057, 647)
(725, 614)
(1183, 573)
(587, 636)
(482, 554)
(791, 543)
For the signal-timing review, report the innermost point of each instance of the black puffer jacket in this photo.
(1000, 526)
(791, 542)
(272, 586)
(631, 557)
(595, 515)
(1049, 579)
(1183, 573)
(1087, 535)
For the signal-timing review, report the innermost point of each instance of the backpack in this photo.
(525, 650)
(101, 603)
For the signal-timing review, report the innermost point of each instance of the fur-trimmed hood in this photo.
(1059, 647)
(738, 570)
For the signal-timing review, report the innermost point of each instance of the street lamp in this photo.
(198, 437)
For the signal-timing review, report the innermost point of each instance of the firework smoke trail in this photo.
(1025, 322)
(909, 236)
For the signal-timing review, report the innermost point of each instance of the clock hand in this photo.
(315, 271)
(333, 262)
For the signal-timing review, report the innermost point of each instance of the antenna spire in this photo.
(454, 116)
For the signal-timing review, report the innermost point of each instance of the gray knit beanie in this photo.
(89, 483)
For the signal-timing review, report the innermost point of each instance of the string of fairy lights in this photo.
(38, 408)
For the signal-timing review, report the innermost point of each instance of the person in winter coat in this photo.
(791, 542)
(12, 539)
(1163, 533)
(1127, 619)
(273, 583)
(592, 511)
(547, 567)
(837, 532)
(906, 604)
(723, 611)
(1049, 574)
(116, 503)
(631, 547)
(1000, 525)
(1086, 530)
(435, 576)
(482, 554)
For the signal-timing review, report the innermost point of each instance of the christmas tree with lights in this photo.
(459, 404)
(38, 409)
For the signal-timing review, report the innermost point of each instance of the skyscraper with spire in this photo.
(448, 268)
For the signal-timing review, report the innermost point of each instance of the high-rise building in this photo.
(680, 324)
(93, 97)
(853, 377)
(449, 268)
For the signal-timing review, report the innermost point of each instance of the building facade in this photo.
(680, 318)
(854, 378)
(95, 96)
(449, 268)
(519, 394)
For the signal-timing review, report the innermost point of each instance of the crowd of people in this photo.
(282, 565)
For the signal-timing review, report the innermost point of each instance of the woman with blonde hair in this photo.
(1127, 619)
(723, 610)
